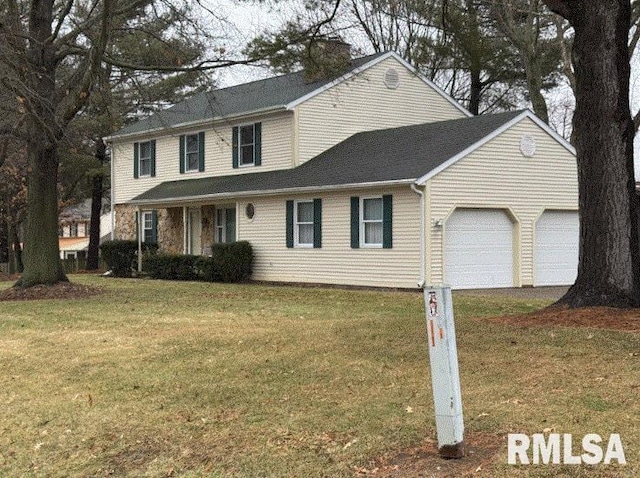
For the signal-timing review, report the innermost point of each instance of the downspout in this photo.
(112, 213)
(423, 264)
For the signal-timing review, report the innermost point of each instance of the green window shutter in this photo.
(355, 222)
(289, 224)
(317, 223)
(136, 152)
(230, 227)
(154, 226)
(201, 151)
(387, 221)
(257, 131)
(153, 157)
(182, 152)
(235, 147)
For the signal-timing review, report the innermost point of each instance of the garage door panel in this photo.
(479, 249)
(556, 250)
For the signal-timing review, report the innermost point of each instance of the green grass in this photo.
(156, 378)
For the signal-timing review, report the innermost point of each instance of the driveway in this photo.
(547, 293)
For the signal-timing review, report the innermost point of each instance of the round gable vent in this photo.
(528, 146)
(392, 78)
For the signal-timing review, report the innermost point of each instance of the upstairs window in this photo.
(192, 152)
(144, 159)
(247, 145)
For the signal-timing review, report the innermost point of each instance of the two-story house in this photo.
(374, 178)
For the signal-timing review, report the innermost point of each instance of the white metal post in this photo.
(445, 377)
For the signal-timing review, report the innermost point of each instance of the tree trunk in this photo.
(534, 86)
(93, 257)
(16, 258)
(42, 257)
(41, 250)
(476, 92)
(609, 265)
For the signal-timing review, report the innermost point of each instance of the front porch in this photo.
(189, 229)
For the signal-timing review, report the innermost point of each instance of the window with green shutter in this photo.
(144, 159)
(247, 145)
(192, 152)
(372, 222)
(304, 223)
(149, 222)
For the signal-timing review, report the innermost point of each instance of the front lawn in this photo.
(157, 378)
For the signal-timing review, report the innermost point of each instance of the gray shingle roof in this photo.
(395, 154)
(235, 100)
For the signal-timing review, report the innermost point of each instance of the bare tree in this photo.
(51, 54)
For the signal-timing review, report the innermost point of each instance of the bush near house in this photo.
(120, 255)
(232, 262)
(171, 266)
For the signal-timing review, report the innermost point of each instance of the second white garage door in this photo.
(479, 249)
(556, 251)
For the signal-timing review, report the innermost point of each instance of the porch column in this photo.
(139, 232)
(185, 232)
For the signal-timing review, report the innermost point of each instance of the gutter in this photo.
(191, 124)
(423, 262)
(264, 193)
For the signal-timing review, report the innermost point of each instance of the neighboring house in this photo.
(73, 235)
(376, 178)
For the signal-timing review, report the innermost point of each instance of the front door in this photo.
(194, 231)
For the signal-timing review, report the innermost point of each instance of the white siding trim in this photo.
(525, 114)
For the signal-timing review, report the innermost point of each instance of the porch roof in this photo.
(390, 156)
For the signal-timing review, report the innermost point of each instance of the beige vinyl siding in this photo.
(364, 103)
(277, 151)
(498, 175)
(335, 262)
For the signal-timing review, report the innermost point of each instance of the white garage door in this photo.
(479, 249)
(556, 250)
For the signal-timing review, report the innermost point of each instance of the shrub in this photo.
(232, 262)
(121, 255)
(171, 266)
(205, 269)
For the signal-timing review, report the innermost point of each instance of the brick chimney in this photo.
(326, 59)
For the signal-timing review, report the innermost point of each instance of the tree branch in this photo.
(563, 8)
(96, 53)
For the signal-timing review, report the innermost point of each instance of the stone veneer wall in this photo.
(170, 230)
(208, 225)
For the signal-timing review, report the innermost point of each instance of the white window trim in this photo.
(297, 224)
(221, 213)
(185, 162)
(364, 244)
(253, 161)
(140, 158)
(143, 222)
